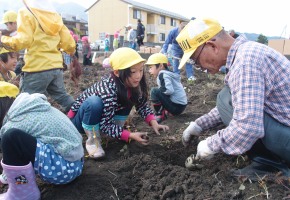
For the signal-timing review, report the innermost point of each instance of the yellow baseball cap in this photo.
(125, 57)
(194, 34)
(156, 59)
(3, 50)
(9, 16)
(8, 89)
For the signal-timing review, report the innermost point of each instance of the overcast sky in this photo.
(267, 17)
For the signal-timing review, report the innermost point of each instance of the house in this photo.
(109, 16)
(281, 45)
(72, 22)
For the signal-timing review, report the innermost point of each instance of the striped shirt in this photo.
(259, 80)
(106, 89)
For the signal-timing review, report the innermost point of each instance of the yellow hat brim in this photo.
(184, 59)
(8, 89)
(194, 34)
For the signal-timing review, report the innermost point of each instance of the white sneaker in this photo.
(192, 78)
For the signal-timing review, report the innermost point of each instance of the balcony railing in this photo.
(152, 29)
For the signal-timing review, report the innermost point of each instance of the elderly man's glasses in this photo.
(195, 61)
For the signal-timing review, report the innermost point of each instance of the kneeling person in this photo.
(169, 96)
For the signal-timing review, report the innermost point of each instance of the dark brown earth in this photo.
(157, 171)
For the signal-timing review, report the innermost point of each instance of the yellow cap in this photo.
(8, 89)
(3, 50)
(9, 16)
(124, 58)
(156, 59)
(194, 34)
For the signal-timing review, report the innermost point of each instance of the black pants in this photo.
(18, 147)
(159, 97)
(87, 61)
(140, 40)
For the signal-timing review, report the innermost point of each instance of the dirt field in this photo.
(157, 171)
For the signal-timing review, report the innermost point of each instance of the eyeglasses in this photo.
(195, 61)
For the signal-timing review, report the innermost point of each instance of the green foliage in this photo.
(262, 39)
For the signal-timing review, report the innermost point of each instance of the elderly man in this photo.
(131, 36)
(254, 104)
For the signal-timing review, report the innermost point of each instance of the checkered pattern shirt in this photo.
(259, 80)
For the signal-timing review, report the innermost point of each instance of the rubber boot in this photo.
(94, 144)
(21, 181)
(158, 108)
(264, 162)
(260, 154)
(160, 112)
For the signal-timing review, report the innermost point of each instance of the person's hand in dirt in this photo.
(140, 137)
(192, 129)
(203, 151)
(156, 127)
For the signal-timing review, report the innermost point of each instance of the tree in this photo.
(262, 39)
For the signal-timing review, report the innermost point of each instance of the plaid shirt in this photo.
(259, 80)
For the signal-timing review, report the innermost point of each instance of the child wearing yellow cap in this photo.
(51, 147)
(8, 93)
(106, 105)
(169, 95)
(40, 30)
(8, 61)
(10, 20)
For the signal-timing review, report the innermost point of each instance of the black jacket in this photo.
(140, 29)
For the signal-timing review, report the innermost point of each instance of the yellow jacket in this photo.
(43, 38)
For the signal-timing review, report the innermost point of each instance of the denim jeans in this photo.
(188, 68)
(132, 45)
(277, 135)
(89, 114)
(158, 97)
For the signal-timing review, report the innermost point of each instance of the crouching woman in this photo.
(36, 138)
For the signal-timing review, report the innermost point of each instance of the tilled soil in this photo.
(157, 171)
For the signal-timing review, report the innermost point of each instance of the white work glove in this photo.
(203, 151)
(192, 129)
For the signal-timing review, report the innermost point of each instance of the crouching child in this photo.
(169, 97)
